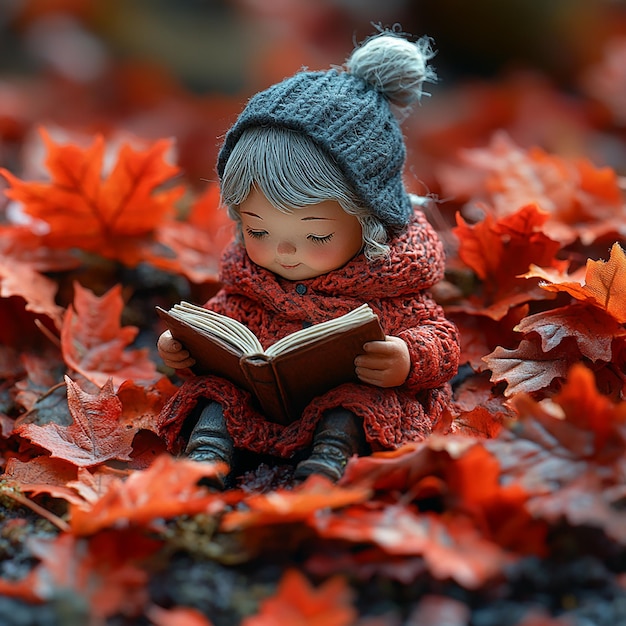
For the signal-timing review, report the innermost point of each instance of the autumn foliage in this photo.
(530, 463)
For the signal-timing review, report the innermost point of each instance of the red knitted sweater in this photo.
(395, 287)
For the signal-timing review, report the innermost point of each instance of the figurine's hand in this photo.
(172, 352)
(385, 363)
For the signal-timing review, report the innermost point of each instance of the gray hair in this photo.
(292, 172)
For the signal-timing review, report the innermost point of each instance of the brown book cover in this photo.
(283, 378)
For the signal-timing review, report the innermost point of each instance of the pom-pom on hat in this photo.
(348, 113)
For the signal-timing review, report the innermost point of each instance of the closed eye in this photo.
(256, 234)
(319, 239)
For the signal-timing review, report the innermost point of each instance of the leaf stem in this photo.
(20, 498)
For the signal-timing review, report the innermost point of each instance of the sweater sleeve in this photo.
(432, 339)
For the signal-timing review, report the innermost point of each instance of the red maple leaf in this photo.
(95, 435)
(44, 475)
(95, 344)
(298, 603)
(142, 403)
(499, 510)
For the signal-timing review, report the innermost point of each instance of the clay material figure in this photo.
(311, 172)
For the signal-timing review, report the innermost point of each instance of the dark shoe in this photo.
(339, 435)
(210, 442)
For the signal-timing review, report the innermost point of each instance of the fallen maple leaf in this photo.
(169, 487)
(142, 403)
(498, 510)
(21, 279)
(404, 468)
(591, 328)
(198, 242)
(96, 345)
(82, 210)
(452, 546)
(582, 201)
(178, 616)
(23, 589)
(95, 435)
(43, 475)
(104, 570)
(293, 505)
(481, 411)
(298, 603)
(528, 368)
(562, 450)
(500, 252)
(604, 284)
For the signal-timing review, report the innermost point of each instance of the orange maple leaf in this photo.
(166, 489)
(95, 435)
(95, 344)
(293, 505)
(500, 251)
(86, 211)
(178, 616)
(604, 284)
(481, 412)
(298, 603)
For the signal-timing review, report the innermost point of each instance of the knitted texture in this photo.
(272, 307)
(350, 121)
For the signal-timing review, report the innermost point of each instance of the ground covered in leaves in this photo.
(513, 512)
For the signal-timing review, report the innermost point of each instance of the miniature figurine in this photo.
(311, 172)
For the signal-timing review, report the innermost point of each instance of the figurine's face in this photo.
(304, 244)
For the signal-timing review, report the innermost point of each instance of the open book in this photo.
(285, 377)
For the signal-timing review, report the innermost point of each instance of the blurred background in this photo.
(550, 72)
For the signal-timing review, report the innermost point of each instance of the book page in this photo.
(222, 326)
(308, 335)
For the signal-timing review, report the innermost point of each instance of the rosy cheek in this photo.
(256, 250)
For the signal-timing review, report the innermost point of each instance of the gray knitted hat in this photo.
(347, 113)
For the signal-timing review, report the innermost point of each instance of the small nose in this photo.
(285, 247)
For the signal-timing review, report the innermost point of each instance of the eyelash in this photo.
(260, 234)
(256, 234)
(325, 239)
